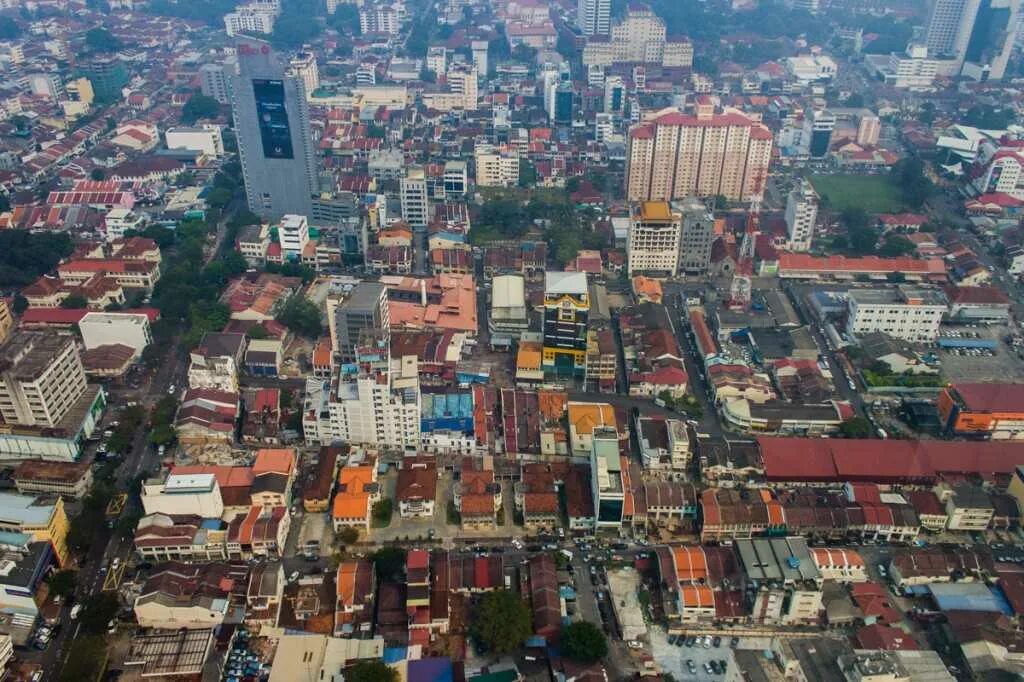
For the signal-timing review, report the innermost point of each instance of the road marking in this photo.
(113, 578)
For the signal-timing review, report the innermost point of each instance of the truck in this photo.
(74, 611)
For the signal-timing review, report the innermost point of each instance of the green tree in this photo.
(74, 302)
(527, 173)
(292, 29)
(501, 622)
(914, 184)
(926, 114)
(348, 535)
(162, 435)
(371, 670)
(97, 174)
(20, 304)
(855, 427)
(199, 106)
(219, 197)
(257, 332)
(24, 255)
(895, 246)
(62, 583)
(382, 511)
(8, 29)
(86, 659)
(98, 610)
(583, 641)
(101, 40)
(302, 316)
(389, 562)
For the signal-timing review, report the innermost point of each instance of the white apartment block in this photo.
(41, 378)
(801, 214)
(1003, 170)
(655, 231)
(462, 80)
(249, 19)
(293, 233)
(381, 19)
(414, 197)
(912, 70)
(215, 80)
(639, 37)
(378, 406)
(105, 329)
(304, 66)
(118, 220)
(909, 313)
(437, 59)
(496, 167)
(675, 155)
(594, 16)
(205, 139)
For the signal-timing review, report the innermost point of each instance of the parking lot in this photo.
(672, 658)
(978, 365)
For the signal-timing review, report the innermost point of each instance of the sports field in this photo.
(873, 193)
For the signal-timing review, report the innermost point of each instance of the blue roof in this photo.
(968, 597)
(438, 405)
(430, 670)
(394, 654)
(22, 510)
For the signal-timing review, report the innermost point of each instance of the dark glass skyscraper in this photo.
(275, 145)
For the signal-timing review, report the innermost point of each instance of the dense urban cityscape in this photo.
(511, 340)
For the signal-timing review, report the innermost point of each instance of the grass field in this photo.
(873, 193)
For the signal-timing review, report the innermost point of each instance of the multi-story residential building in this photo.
(249, 19)
(41, 518)
(664, 444)
(293, 235)
(303, 65)
(416, 487)
(275, 143)
(129, 273)
(785, 585)
(639, 37)
(594, 16)
(459, 90)
(910, 70)
(106, 329)
(414, 197)
(215, 361)
(41, 379)
(376, 401)
(357, 491)
(480, 63)
(456, 178)
(818, 127)
(614, 95)
(496, 167)
(381, 18)
(187, 596)
(39, 477)
(118, 220)
(205, 139)
(566, 310)
(909, 313)
(253, 241)
(602, 361)
(697, 237)
(509, 317)
(215, 80)
(437, 59)
(609, 478)
(365, 308)
(655, 230)
(801, 214)
(6, 321)
(968, 506)
(674, 155)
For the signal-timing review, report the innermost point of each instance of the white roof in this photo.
(509, 291)
(559, 282)
(187, 482)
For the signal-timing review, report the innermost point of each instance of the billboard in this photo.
(272, 117)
